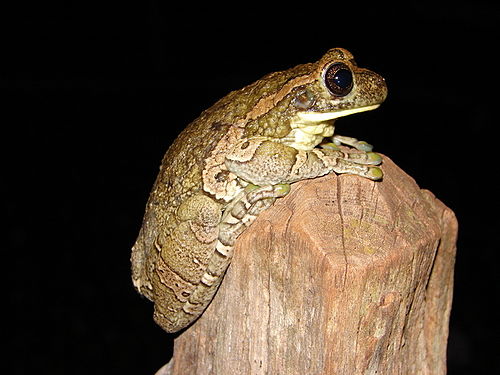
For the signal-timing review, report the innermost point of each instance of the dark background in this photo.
(93, 94)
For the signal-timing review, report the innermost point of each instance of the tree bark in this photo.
(342, 276)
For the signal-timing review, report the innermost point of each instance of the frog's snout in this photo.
(380, 86)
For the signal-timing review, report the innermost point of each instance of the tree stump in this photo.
(342, 276)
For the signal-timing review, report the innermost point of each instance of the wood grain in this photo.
(342, 276)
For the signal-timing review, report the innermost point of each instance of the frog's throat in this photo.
(309, 128)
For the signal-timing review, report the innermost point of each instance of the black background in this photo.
(93, 94)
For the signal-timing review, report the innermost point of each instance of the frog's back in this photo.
(181, 171)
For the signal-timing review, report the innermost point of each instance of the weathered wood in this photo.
(342, 276)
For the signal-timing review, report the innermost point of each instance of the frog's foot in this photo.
(364, 158)
(244, 210)
(353, 142)
(359, 163)
(257, 193)
(361, 166)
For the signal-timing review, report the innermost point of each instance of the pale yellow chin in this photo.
(309, 128)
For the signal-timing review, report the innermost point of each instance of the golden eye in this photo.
(304, 100)
(338, 79)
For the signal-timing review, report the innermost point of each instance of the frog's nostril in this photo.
(380, 83)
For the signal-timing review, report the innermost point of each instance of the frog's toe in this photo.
(280, 190)
(353, 142)
(330, 146)
(374, 173)
(373, 158)
(357, 168)
(363, 146)
(251, 187)
(364, 158)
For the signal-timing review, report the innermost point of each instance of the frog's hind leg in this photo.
(244, 211)
(239, 215)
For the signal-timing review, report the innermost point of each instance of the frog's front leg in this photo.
(244, 210)
(272, 166)
(262, 161)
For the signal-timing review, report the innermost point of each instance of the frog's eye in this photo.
(338, 79)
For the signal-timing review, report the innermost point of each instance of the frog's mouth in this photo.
(309, 128)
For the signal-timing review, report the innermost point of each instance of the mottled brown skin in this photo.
(231, 163)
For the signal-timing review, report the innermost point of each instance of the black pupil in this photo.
(343, 78)
(339, 79)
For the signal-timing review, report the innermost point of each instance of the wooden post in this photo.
(342, 276)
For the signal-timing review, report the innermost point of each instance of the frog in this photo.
(233, 162)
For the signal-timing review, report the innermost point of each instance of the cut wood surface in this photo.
(342, 276)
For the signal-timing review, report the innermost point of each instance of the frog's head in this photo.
(310, 97)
